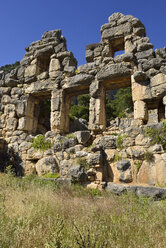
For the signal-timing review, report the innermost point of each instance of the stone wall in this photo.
(49, 72)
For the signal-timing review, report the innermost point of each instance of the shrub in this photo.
(117, 157)
(119, 141)
(83, 163)
(39, 143)
(148, 156)
(158, 135)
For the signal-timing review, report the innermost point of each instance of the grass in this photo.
(36, 213)
(52, 175)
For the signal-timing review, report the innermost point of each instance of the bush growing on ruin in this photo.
(39, 143)
(158, 135)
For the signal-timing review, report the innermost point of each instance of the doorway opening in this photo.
(43, 111)
(38, 113)
(79, 112)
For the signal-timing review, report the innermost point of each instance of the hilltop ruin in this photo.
(48, 72)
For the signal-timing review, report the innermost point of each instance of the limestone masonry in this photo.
(48, 72)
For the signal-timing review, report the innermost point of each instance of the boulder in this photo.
(140, 191)
(123, 164)
(47, 165)
(77, 174)
(107, 142)
(83, 136)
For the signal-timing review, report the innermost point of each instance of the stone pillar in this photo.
(60, 107)
(97, 116)
(140, 111)
(164, 102)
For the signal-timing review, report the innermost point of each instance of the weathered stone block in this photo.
(30, 71)
(123, 165)
(140, 111)
(95, 159)
(108, 142)
(11, 124)
(54, 65)
(47, 165)
(114, 71)
(9, 110)
(83, 136)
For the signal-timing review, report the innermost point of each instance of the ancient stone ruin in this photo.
(49, 73)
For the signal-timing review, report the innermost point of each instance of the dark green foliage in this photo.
(7, 68)
(120, 105)
(117, 107)
(81, 110)
(158, 135)
(148, 156)
(39, 143)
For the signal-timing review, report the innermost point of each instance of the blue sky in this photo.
(22, 22)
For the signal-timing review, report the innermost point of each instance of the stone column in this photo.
(164, 102)
(140, 92)
(97, 116)
(140, 111)
(60, 106)
(56, 111)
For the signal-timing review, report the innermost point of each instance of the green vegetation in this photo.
(148, 156)
(37, 213)
(52, 175)
(83, 163)
(138, 164)
(117, 157)
(158, 135)
(39, 143)
(81, 110)
(119, 141)
(7, 68)
(119, 106)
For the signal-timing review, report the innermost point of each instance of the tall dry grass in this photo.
(34, 213)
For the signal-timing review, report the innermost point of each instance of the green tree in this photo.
(81, 109)
(7, 68)
(120, 105)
